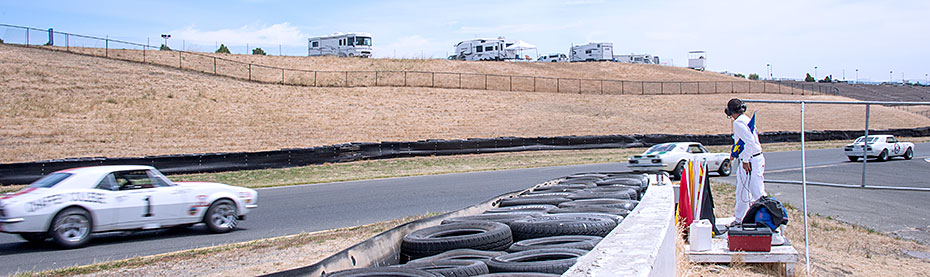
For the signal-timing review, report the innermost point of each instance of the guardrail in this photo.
(22, 173)
(217, 64)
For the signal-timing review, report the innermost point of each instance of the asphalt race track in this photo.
(307, 208)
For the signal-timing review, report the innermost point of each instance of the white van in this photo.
(341, 45)
(595, 51)
(484, 49)
(553, 58)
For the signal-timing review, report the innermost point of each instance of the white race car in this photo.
(882, 147)
(671, 157)
(69, 205)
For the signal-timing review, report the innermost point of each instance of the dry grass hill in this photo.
(58, 105)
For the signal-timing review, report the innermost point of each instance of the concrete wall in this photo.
(642, 245)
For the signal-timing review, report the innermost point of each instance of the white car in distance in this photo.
(672, 157)
(882, 147)
(552, 58)
(68, 206)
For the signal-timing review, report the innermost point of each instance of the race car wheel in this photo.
(676, 173)
(724, 168)
(222, 217)
(34, 237)
(71, 228)
(883, 156)
(853, 159)
(909, 154)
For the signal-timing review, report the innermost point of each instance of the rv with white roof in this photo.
(484, 49)
(553, 58)
(637, 58)
(341, 45)
(595, 51)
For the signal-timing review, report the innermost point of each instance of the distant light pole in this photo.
(890, 79)
(768, 67)
(166, 37)
(857, 75)
(815, 74)
(927, 76)
(844, 74)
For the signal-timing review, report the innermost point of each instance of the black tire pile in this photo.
(541, 232)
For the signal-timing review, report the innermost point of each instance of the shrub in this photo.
(223, 50)
(828, 79)
(753, 76)
(739, 75)
(258, 51)
(809, 78)
(1, 40)
(164, 48)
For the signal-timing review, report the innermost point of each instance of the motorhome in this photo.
(553, 58)
(697, 60)
(485, 49)
(637, 58)
(595, 51)
(341, 45)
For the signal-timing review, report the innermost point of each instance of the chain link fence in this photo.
(218, 65)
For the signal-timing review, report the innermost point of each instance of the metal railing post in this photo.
(865, 144)
(27, 37)
(106, 46)
(807, 253)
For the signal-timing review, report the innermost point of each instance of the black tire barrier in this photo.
(382, 271)
(633, 192)
(587, 175)
(603, 202)
(615, 218)
(532, 200)
(586, 194)
(561, 188)
(631, 181)
(451, 268)
(430, 241)
(522, 208)
(546, 193)
(505, 218)
(573, 242)
(27, 172)
(591, 209)
(558, 225)
(549, 260)
(462, 254)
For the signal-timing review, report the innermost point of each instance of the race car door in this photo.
(147, 201)
(895, 146)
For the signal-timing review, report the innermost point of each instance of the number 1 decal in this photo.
(148, 206)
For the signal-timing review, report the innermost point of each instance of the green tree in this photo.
(828, 79)
(753, 76)
(740, 75)
(1, 40)
(164, 48)
(258, 51)
(809, 78)
(223, 50)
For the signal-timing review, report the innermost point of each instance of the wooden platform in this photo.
(785, 254)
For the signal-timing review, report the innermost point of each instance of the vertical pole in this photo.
(147, 46)
(699, 87)
(661, 87)
(106, 46)
(534, 83)
(511, 83)
(679, 88)
(27, 37)
(602, 86)
(214, 65)
(405, 78)
(250, 71)
(715, 87)
(376, 78)
(732, 90)
(579, 86)
(485, 81)
(314, 78)
(643, 85)
(558, 85)
(807, 248)
(865, 144)
(179, 60)
(621, 87)
(282, 70)
(432, 80)
(460, 80)
(346, 84)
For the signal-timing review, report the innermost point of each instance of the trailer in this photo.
(697, 60)
(595, 51)
(485, 49)
(555, 57)
(637, 58)
(340, 45)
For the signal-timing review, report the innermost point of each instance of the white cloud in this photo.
(280, 34)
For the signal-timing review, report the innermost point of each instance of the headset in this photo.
(735, 106)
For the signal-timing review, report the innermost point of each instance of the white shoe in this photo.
(777, 239)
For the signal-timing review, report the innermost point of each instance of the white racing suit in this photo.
(749, 185)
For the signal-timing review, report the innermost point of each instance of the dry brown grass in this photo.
(837, 248)
(58, 105)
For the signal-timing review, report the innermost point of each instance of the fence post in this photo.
(250, 72)
(558, 85)
(106, 46)
(214, 65)
(732, 89)
(432, 80)
(534, 83)
(485, 81)
(314, 78)
(643, 85)
(661, 87)
(179, 60)
(282, 76)
(679, 88)
(376, 78)
(68, 46)
(27, 37)
(405, 78)
(579, 86)
(699, 87)
(143, 50)
(460, 80)
(621, 87)
(750, 87)
(602, 86)
(511, 83)
(346, 84)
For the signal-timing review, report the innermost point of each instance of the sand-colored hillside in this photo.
(58, 105)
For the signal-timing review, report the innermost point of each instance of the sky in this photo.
(791, 37)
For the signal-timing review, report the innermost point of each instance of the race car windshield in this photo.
(50, 181)
(871, 140)
(661, 148)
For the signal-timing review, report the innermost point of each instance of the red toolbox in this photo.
(750, 237)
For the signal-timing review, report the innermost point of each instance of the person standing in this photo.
(747, 153)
